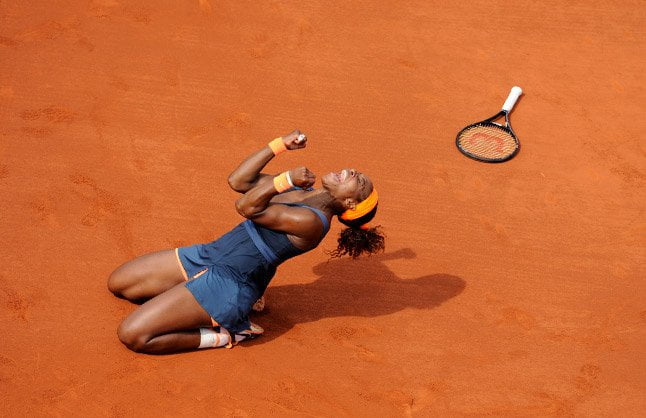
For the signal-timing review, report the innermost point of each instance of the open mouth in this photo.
(341, 176)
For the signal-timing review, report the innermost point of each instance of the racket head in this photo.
(488, 141)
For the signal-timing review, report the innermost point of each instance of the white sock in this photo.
(211, 339)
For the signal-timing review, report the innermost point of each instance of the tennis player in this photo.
(200, 296)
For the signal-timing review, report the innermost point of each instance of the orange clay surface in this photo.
(513, 289)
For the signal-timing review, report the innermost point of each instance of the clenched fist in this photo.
(302, 177)
(295, 140)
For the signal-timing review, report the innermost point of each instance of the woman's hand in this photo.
(302, 177)
(295, 140)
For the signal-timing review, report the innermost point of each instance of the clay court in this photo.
(512, 289)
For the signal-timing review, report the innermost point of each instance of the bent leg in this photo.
(147, 276)
(167, 323)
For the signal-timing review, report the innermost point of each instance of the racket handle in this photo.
(514, 94)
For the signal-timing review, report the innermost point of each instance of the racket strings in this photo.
(489, 142)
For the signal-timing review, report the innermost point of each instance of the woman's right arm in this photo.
(248, 174)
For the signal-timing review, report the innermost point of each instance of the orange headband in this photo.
(363, 208)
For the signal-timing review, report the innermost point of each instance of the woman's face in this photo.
(347, 184)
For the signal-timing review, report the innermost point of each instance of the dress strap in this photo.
(260, 243)
(326, 223)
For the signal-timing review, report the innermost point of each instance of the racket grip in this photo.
(514, 94)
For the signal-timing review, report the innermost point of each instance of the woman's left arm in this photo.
(248, 175)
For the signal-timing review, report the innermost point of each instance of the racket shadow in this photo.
(364, 287)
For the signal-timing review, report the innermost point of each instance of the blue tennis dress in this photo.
(227, 276)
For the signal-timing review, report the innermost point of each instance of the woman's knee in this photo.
(146, 276)
(118, 282)
(131, 336)
(126, 281)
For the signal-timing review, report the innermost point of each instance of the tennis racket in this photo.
(489, 141)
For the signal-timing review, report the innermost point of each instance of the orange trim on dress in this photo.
(180, 265)
(199, 273)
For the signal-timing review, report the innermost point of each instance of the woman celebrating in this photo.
(200, 296)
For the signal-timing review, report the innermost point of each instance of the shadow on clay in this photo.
(363, 287)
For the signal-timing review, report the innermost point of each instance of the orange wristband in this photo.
(277, 146)
(283, 182)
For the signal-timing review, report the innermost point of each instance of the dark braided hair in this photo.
(358, 239)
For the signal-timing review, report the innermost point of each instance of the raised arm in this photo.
(248, 174)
